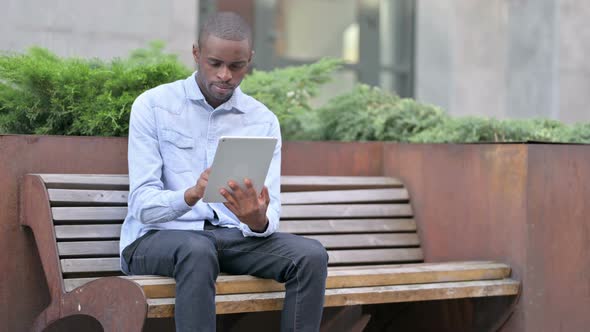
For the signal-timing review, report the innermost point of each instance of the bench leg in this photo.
(349, 319)
(118, 304)
(44, 319)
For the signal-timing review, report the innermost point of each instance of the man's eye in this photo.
(214, 64)
(237, 66)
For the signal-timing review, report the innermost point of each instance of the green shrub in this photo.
(41, 93)
(473, 129)
(287, 91)
(369, 113)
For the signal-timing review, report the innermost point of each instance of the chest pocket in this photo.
(177, 151)
(251, 128)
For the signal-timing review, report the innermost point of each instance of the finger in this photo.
(233, 185)
(231, 200)
(250, 190)
(248, 184)
(206, 173)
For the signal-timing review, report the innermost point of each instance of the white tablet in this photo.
(237, 158)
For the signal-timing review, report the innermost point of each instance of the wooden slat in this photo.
(118, 197)
(287, 212)
(226, 304)
(88, 248)
(305, 183)
(345, 211)
(345, 196)
(71, 232)
(231, 284)
(86, 181)
(87, 197)
(338, 277)
(288, 183)
(366, 256)
(367, 240)
(90, 265)
(94, 213)
(356, 256)
(347, 226)
(111, 248)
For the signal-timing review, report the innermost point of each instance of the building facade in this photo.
(495, 58)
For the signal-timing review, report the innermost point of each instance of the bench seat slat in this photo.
(88, 248)
(338, 277)
(86, 181)
(87, 197)
(306, 183)
(229, 284)
(332, 226)
(88, 265)
(81, 232)
(374, 256)
(89, 213)
(111, 248)
(345, 196)
(62, 197)
(352, 256)
(72, 283)
(288, 183)
(366, 240)
(101, 213)
(345, 211)
(335, 226)
(226, 304)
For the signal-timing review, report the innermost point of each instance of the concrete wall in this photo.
(574, 67)
(103, 29)
(505, 58)
(500, 58)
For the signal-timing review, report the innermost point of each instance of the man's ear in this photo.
(251, 56)
(196, 53)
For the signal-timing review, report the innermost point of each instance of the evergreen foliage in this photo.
(41, 93)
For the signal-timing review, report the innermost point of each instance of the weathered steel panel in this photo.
(332, 158)
(525, 205)
(557, 282)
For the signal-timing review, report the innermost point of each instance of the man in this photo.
(169, 231)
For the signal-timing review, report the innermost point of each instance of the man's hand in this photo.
(249, 207)
(193, 194)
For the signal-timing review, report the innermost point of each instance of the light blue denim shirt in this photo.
(173, 135)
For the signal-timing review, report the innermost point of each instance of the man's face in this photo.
(222, 66)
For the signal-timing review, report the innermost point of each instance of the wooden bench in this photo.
(365, 223)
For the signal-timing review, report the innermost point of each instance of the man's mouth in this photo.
(222, 88)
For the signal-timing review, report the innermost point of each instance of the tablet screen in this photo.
(237, 158)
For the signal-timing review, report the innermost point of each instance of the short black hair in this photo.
(225, 25)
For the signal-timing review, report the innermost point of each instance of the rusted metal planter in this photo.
(523, 204)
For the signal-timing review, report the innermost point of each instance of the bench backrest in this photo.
(360, 220)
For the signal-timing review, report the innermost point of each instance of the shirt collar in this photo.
(193, 92)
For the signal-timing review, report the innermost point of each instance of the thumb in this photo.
(264, 195)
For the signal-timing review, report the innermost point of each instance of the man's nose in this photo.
(224, 74)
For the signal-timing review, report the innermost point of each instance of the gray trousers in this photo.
(195, 258)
